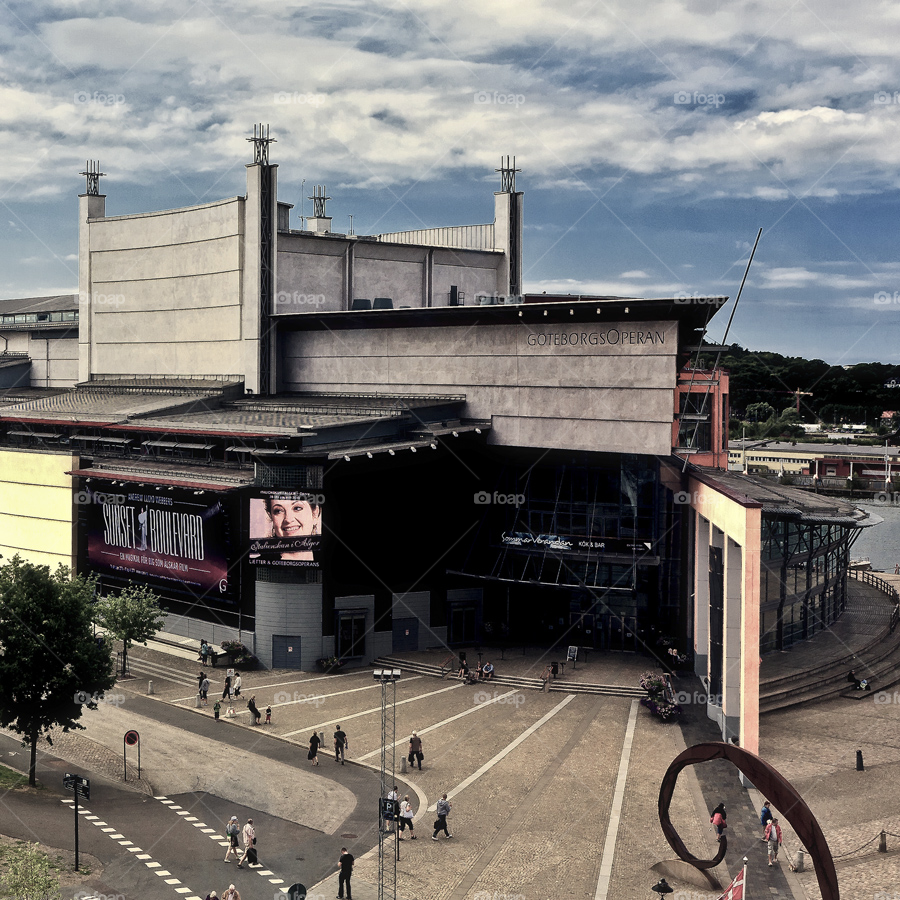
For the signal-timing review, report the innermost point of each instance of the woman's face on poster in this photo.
(292, 518)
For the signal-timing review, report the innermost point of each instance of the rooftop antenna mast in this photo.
(318, 198)
(261, 141)
(507, 174)
(92, 175)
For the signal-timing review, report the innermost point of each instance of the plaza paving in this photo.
(532, 776)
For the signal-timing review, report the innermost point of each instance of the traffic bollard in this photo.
(402, 765)
(882, 842)
(149, 687)
(859, 762)
(800, 860)
(197, 701)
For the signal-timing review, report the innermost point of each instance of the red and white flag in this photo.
(735, 891)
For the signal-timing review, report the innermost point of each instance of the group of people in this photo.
(401, 812)
(482, 673)
(232, 829)
(772, 834)
(208, 652)
(341, 745)
(248, 836)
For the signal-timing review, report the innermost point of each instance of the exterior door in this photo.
(462, 625)
(406, 635)
(285, 651)
(351, 635)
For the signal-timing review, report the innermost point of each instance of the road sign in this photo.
(131, 738)
(77, 785)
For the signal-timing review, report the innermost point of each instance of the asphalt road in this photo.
(184, 843)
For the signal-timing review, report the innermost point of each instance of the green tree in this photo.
(760, 412)
(51, 666)
(28, 874)
(131, 616)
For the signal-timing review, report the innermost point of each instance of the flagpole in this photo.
(745, 877)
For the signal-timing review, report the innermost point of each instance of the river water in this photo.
(881, 543)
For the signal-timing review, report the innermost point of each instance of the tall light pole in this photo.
(387, 855)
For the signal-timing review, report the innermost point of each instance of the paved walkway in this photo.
(541, 794)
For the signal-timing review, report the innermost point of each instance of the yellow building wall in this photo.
(36, 507)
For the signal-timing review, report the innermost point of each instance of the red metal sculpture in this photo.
(774, 786)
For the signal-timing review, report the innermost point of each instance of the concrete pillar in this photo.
(731, 650)
(750, 628)
(701, 597)
(90, 206)
(508, 218)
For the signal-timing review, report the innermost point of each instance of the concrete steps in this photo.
(560, 684)
(879, 663)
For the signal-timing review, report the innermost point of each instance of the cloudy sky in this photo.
(654, 139)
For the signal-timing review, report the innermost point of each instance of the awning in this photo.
(139, 478)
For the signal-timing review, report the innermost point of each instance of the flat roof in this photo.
(782, 499)
(829, 449)
(56, 303)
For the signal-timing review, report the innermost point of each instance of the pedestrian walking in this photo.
(200, 676)
(406, 818)
(443, 810)
(718, 820)
(773, 837)
(226, 691)
(268, 715)
(248, 834)
(345, 864)
(415, 751)
(204, 692)
(231, 893)
(313, 749)
(236, 686)
(212, 895)
(765, 816)
(217, 706)
(232, 830)
(392, 806)
(340, 744)
(251, 705)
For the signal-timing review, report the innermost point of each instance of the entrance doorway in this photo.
(461, 625)
(618, 633)
(406, 634)
(351, 634)
(285, 651)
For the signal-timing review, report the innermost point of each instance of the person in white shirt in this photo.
(249, 836)
(406, 818)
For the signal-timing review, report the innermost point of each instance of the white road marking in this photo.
(467, 712)
(615, 813)
(374, 709)
(506, 750)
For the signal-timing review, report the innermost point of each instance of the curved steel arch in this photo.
(773, 785)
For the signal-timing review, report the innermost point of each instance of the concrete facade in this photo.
(582, 387)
